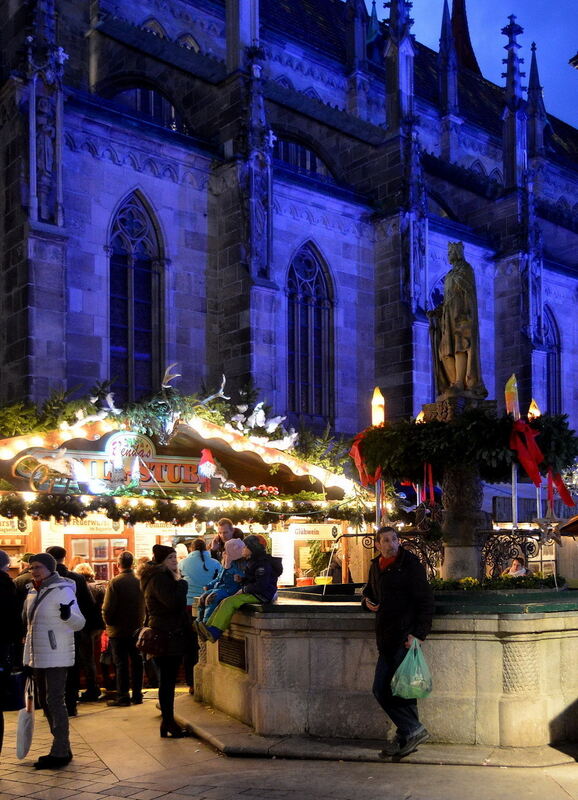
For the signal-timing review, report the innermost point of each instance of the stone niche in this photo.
(499, 679)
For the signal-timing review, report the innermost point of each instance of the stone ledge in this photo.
(235, 739)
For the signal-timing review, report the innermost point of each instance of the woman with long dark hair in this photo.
(165, 594)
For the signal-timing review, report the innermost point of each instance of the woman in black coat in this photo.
(10, 632)
(165, 594)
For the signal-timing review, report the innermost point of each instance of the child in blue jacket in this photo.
(258, 585)
(227, 581)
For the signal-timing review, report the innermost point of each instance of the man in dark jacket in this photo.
(123, 610)
(399, 595)
(91, 614)
(258, 585)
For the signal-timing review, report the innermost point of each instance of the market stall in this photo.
(98, 488)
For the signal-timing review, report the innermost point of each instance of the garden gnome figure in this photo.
(454, 332)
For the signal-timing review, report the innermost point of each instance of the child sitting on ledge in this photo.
(227, 581)
(258, 585)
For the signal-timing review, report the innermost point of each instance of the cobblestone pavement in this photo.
(118, 754)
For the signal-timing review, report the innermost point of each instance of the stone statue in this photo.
(454, 332)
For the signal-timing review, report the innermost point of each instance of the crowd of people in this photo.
(59, 623)
(55, 620)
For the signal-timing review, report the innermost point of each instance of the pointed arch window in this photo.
(310, 338)
(134, 280)
(553, 379)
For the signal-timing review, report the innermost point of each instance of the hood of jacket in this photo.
(148, 572)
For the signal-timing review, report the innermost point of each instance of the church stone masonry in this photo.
(267, 190)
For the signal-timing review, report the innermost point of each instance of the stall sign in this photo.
(308, 530)
(15, 526)
(158, 528)
(282, 546)
(92, 523)
(128, 459)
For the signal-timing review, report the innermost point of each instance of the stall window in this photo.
(135, 324)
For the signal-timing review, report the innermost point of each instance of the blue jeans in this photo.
(402, 712)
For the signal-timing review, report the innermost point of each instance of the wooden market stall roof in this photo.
(246, 460)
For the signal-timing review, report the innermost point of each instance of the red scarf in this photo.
(385, 562)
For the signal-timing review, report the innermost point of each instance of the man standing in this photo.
(93, 618)
(399, 595)
(225, 531)
(52, 616)
(123, 611)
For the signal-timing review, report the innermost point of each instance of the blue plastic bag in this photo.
(412, 678)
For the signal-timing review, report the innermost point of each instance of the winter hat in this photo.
(57, 552)
(254, 544)
(46, 559)
(161, 551)
(234, 549)
(4, 559)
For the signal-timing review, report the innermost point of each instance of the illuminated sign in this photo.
(128, 460)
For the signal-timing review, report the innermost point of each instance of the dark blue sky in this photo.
(552, 24)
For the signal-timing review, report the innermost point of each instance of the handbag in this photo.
(25, 723)
(412, 678)
(152, 642)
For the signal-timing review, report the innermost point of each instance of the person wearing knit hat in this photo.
(165, 596)
(52, 616)
(258, 585)
(46, 560)
(227, 582)
(161, 552)
(93, 617)
(4, 559)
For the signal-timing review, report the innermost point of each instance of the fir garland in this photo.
(475, 437)
(180, 511)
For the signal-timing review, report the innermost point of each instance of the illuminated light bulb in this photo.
(28, 497)
(534, 410)
(389, 506)
(377, 407)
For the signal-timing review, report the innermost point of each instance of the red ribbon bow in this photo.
(556, 480)
(522, 442)
(364, 476)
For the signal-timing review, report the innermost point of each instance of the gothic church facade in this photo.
(266, 189)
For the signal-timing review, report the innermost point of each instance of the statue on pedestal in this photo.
(454, 332)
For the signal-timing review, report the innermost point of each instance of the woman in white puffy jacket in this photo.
(51, 615)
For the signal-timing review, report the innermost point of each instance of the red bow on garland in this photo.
(522, 442)
(355, 454)
(556, 480)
